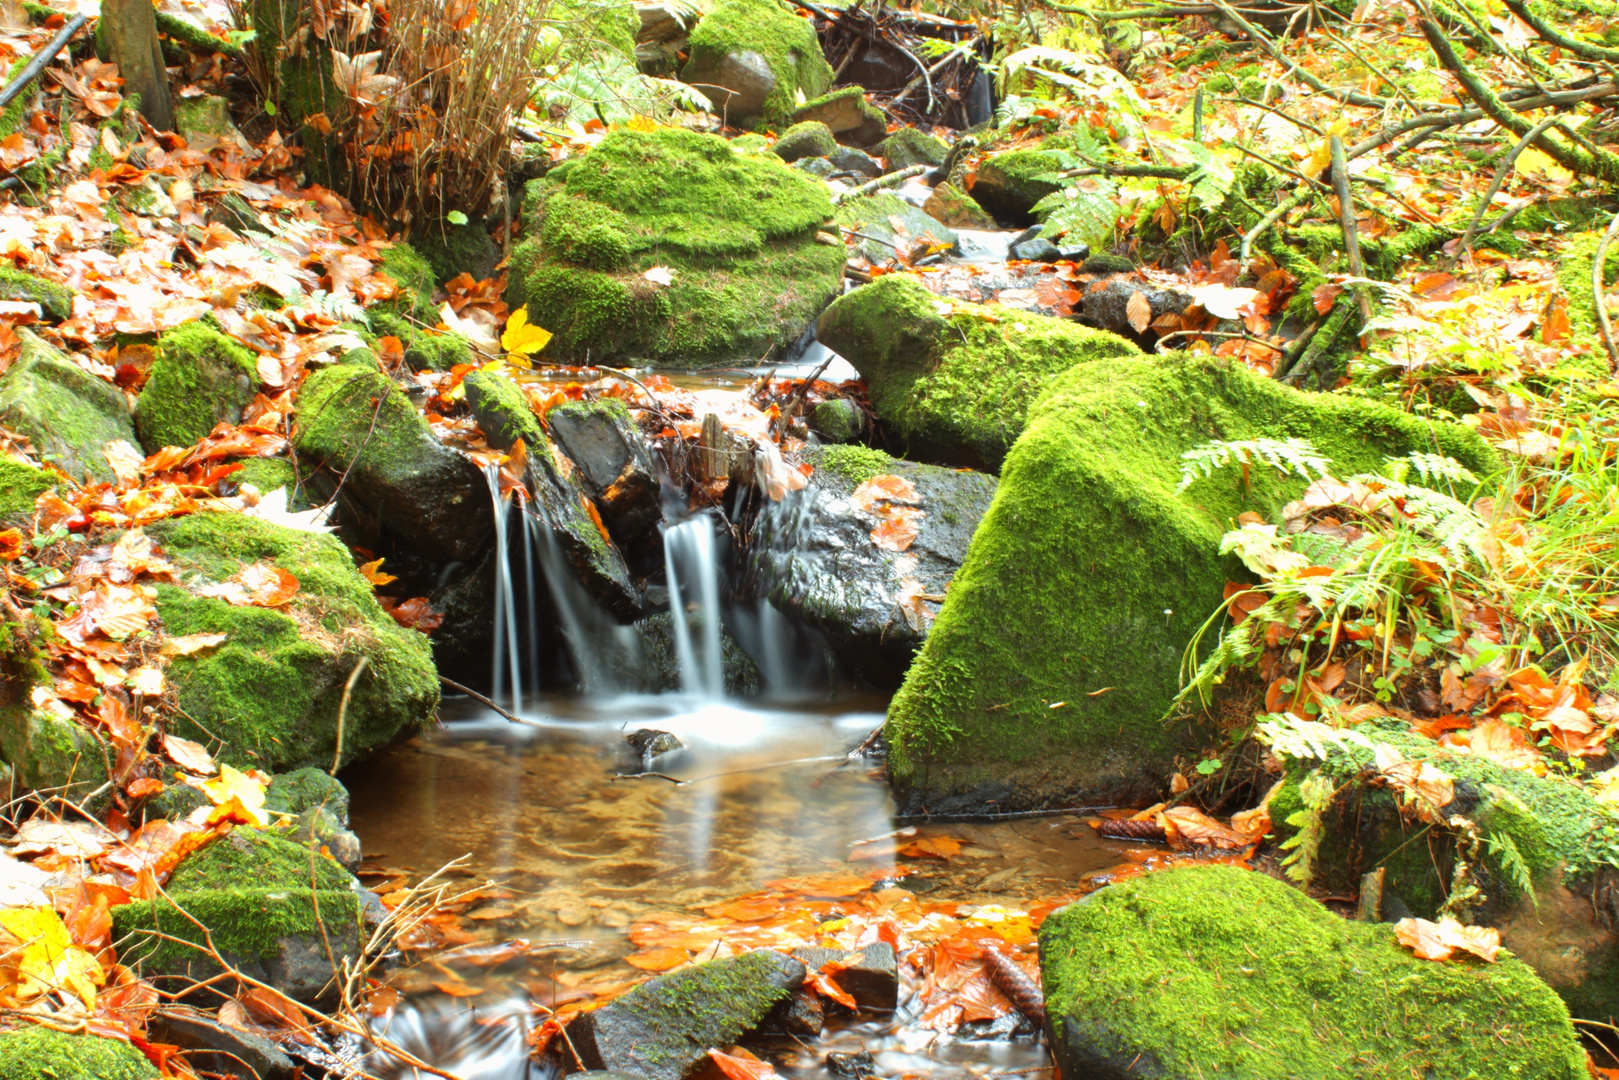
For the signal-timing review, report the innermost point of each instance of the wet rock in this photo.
(908, 146)
(200, 379)
(1074, 253)
(505, 417)
(1129, 570)
(55, 300)
(874, 216)
(1008, 185)
(271, 692)
(846, 159)
(753, 58)
(814, 559)
(1162, 977)
(663, 1029)
(66, 413)
(274, 909)
(853, 120)
(804, 1015)
(307, 789)
(47, 752)
(953, 389)
(869, 974)
(613, 458)
(737, 230)
(212, 1047)
(660, 659)
(1108, 264)
(649, 742)
(809, 139)
(31, 1052)
(1038, 249)
(1108, 306)
(236, 214)
(816, 166)
(421, 495)
(838, 420)
(956, 208)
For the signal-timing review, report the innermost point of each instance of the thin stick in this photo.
(1500, 178)
(343, 710)
(41, 59)
(1346, 219)
(1598, 293)
(471, 693)
(1268, 220)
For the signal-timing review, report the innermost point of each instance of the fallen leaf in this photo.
(190, 756)
(900, 530)
(1138, 311)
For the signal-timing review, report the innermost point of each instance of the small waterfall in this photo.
(605, 654)
(509, 665)
(694, 599)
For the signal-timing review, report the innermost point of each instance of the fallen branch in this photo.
(41, 59)
(343, 710)
(1599, 293)
(1587, 50)
(471, 693)
(1268, 220)
(1346, 220)
(881, 182)
(1500, 178)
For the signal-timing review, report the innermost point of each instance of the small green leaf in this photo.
(269, 108)
(1209, 766)
(456, 217)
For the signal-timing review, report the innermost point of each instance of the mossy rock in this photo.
(201, 378)
(414, 275)
(909, 146)
(271, 692)
(955, 388)
(31, 1052)
(809, 139)
(306, 789)
(426, 348)
(67, 414)
(1218, 971)
(275, 910)
(48, 752)
(1008, 185)
(838, 421)
(873, 216)
(737, 229)
(658, 671)
(452, 250)
(1046, 678)
(505, 417)
(1545, 870)
(956, 208)
(852, 119)
(753, 58)
(422, 495)
(21, 485)
(204, 119)
(55, 300)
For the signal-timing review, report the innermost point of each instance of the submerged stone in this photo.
(271, 692)
(67, 414)
(813, 557)
(738, 232)
(869, 974)
(954, 387)
(753, 58)
(663, 1029)
(881, 239)
(201, 378)
(1046, 678)
(1218, 971)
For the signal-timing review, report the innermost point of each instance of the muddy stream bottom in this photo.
(580, 853)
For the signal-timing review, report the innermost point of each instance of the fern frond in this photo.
(1284, 455)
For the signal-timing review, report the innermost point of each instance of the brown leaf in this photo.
(1138, 311)
(900, 530)
(886, 488)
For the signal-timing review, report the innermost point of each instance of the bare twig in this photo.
(1500, 178)
(343, 710)
(471, 693)
(881, 182)
(1599, 293)
(1346, 219)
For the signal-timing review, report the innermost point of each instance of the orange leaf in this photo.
(900, 530)
(742, 1065)
(659, 959)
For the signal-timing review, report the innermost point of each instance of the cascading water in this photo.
(694, 599)
(605, 653)
(509, 665)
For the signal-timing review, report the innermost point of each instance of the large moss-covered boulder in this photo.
(814, 557)
(754, 58)
(201, 378)
(1537, 853)
(274, 909)
(954, 382)
(67, 414)
(272, 691)
(422, 495)
(1008, 185)
(1216, 971)
(1045, 679)
(504, 415)
(738, 231)
(31, 1052)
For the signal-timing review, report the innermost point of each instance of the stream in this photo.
(584, 854)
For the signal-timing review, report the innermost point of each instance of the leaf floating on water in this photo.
(932, 847)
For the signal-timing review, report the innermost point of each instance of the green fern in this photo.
(1284, 455)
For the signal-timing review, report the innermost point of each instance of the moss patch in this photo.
(21, 484)
(1216, 971)
(67, 414)
(200, 378)
(771, 29)
(55, 300)
(738, 229)
(1090, 571)
(36, 1053)
(954, 387)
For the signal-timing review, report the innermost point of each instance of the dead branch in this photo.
(458, 688)
(881, 182)
(1346, 219)
(343, 710)
(1500, 178)
(1599, 293)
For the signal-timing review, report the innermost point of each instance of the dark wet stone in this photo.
(1108, 306)
(211, 1047)
(663, 1029)
(650, 742)
(849, 160)
(1108, 264)
(615, 462)
(659, 671)
(859, 1065)
(804, 1014)
(816, 166)
(871, 977)
(1037, 250)
(1075, 253)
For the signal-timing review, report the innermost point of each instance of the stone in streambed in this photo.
(752, 58)
(870, 974)
(956, 208)
(809, 139)
(907, 146)
(1009, 184)
(201, 378)
(838, 420)
(1045, 679)
(853, 120)
(875, 217)
(663, 1029)
(1218, 971)
(846, 159)
(1108, 306)
(213, 1047)
(613, 457)
(67, 414)
(650, 743)
(659, 670)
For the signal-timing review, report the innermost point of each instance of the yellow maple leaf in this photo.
(523, 337)
(248, 793)
(46, 958)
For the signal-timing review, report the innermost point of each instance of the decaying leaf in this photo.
(1439, 941)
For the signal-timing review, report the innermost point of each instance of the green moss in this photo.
(770, 28)
(201, 378)
(910, 146)
(31, 1052)
(1092, 571)
(258, 858)
(55, 300)
(271, 692)
(958, 387)
(452, 249)
(414, 274)
(737, 229)
(809, 139)
(1216, 971)
(194, 38)
(68, 414)
(1008, 184)
(21, 485)
(162, 935)
(208, 115)
(856, 464)
(305, 789)
(425, 349)
(15, 112)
